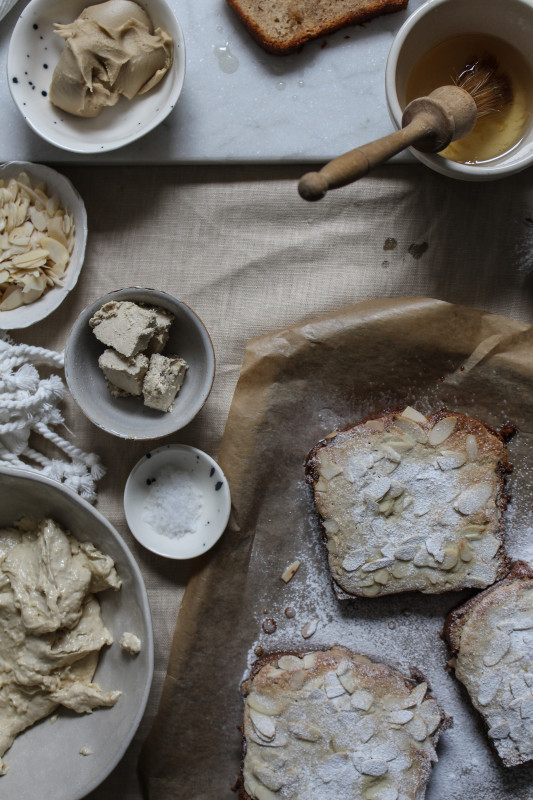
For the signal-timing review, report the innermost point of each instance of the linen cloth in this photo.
(239, 246)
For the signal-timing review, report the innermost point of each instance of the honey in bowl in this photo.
(494, 134)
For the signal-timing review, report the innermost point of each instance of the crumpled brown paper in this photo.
(295, 386)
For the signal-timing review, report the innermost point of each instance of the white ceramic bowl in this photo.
(44, 761)
(56, 184)
(438, 20)
(128, 417)
(34, 51)
(208, 479)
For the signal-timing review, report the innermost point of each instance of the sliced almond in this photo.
(412, 429)
(411, 413)
(264, 725)
(375, 425)
(309, 628)
(442, 430)
(328, 469)
(290, 571)
(472, 449)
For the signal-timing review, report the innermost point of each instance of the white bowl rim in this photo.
(61, 488)
(52, 298)
(179, 64)
(128, 488)
(436, 162)
(94, 306)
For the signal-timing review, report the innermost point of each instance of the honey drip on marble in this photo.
(497, 133)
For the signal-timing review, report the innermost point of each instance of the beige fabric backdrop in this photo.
(239, 246)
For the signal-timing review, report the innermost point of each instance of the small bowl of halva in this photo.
(139, 363)
(90, 77)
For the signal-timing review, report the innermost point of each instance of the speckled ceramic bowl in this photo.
(45, 761)
(33, 54)
(59, 185)
(208, 480)
(128, 417)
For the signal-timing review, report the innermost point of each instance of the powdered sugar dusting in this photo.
(403, 631)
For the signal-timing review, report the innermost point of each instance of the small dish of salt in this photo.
(177, 501)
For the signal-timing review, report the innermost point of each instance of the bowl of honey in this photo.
(435, 45)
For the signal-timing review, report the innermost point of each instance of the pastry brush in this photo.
(428, 123)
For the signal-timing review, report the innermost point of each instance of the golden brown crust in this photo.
(301, 31)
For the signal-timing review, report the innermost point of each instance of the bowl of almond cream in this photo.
(93, 77)
(76, 641)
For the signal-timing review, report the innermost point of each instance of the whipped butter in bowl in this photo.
(93, 77)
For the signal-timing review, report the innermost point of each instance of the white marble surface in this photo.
(240, 104)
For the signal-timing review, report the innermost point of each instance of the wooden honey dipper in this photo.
(428, 123)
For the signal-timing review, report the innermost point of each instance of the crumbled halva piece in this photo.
(124, 326)
(163, 323)
(130, 642)
(163, 381)
(123, 374)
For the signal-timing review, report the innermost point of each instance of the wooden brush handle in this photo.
(357, 163)
(430, 123)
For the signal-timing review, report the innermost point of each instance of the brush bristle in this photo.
(490, 90)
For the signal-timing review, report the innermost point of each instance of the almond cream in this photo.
(51, 627)
(111, 50)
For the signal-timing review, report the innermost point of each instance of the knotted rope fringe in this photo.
(28, 403)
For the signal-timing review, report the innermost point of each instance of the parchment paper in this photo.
(295, 387)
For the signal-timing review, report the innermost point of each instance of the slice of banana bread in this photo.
(332, 724)
(282, 26)
(491, 638)
(410, 502)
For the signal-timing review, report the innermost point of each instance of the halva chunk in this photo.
(163, 381)
(124, 326)
(163, 323)
(123, 375)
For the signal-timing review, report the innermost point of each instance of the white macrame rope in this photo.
(28, 404)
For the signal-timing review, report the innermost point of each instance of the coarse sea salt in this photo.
(173, 503)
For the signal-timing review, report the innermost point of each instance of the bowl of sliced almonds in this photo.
(43, 234)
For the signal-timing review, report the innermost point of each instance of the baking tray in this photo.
(296, 385)
(241, 104)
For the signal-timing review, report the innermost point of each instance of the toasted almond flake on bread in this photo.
(414, 503)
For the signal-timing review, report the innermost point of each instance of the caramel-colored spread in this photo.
(111, 50)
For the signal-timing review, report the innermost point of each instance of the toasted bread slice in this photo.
(282, 26)
(332, 724)
(410, 502)
(491, 638)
